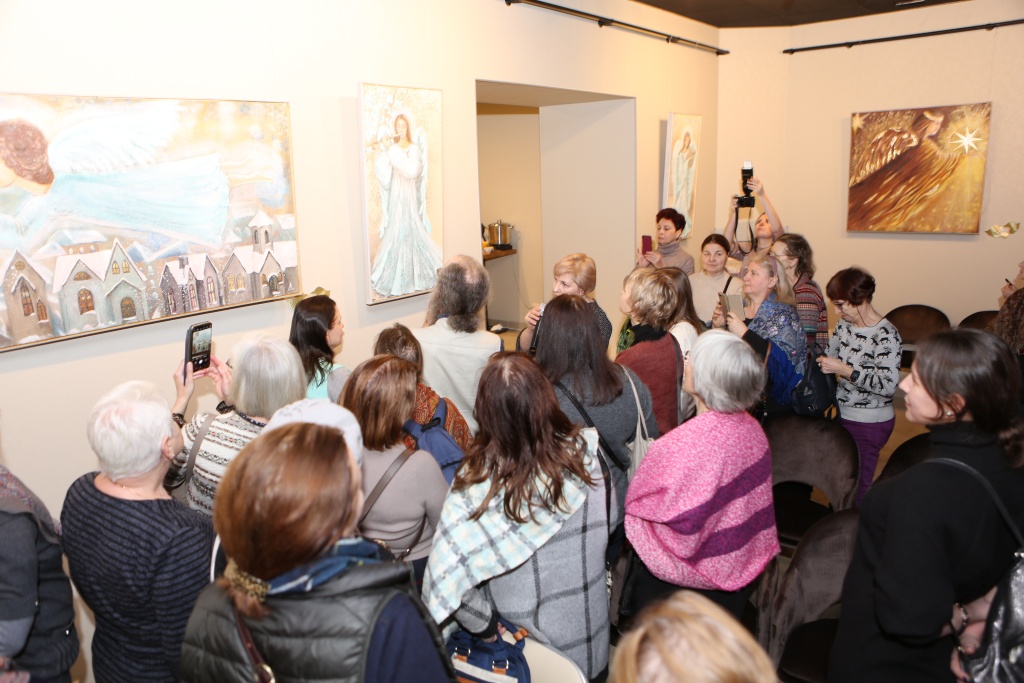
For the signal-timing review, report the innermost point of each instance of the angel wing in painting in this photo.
(107, 169)
(407, 259)
(897, 175)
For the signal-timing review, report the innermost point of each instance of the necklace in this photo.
(130, 489)
(248, 419)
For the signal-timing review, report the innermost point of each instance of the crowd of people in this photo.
(305, 527)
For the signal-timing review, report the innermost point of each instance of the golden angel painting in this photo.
(918, 170)
(402, 176)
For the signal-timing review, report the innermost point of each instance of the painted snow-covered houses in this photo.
(190, 283)
(262, 269)
(25, 296)
(99, 288)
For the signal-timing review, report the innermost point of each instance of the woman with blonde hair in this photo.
(299, 578)
(381, 393)
(689, 639)
(575, 274)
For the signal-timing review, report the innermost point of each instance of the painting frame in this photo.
(682, 156)
(919, 170)
(119, 211)
(401, 138)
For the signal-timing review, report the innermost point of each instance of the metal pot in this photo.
(499, 235)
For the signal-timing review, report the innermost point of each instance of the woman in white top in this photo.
(713, 277)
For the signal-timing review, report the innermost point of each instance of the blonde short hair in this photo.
(689, 639)
(582, 269)
(653, 297)
(783, 290)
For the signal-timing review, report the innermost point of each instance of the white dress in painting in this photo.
(407, 259)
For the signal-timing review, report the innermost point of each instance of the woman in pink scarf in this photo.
(699, 509)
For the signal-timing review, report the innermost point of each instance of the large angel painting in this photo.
(918, 170)
(402, 169)
(682, 144)
(116, 212)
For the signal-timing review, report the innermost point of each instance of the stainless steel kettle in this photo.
(499, 235)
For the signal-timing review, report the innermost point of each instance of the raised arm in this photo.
(778, 229)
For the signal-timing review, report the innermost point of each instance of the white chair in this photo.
(548, 665)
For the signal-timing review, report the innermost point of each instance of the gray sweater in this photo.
(559, 594)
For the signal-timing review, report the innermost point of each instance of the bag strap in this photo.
(384, 481)
(590, 423)
(259, 666)
(727, 282)
(194, 451)
(679, 379)
(641, 422)
(988, 489)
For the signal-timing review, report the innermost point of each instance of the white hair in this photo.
(268, 374)
(127, 429)
(727, 374)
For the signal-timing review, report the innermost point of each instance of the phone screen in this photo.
(197, 345)
(647, 244)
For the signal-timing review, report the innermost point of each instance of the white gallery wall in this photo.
(790, 115)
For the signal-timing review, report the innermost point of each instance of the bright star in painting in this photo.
(966, 140)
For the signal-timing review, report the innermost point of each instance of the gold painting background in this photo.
(955, 204)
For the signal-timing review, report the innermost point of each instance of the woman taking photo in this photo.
(930, 539)
(649, 299)
(529, 497)
(713, 279)
(670, 253)
(138, 557)
(767, 228)
(575, 274)
(706, 483)
(381, 394)
(317, 334)
(267, 375)
(318, 601)
(577, 364)
(795, 256)
(771, 325)
(864, 354)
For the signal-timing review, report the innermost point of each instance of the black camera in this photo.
(747, 200)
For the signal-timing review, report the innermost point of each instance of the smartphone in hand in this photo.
(198, 342)
(647, 244)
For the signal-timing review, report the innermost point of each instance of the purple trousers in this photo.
(870, 438)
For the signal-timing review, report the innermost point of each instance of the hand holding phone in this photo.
(647, 244)
(198, 344)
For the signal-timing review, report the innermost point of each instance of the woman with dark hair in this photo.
(528, 508)
(381, 394)
(794, 254)
(317, 333)
(398, 340)
(713, 278)
(771, 325)
(685, 324)
(301, 580)
(864, 354)
(649, 299)
(699, 510)
(931, 542)
(670, 253)
(575, 361)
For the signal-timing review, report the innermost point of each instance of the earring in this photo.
(949, 413)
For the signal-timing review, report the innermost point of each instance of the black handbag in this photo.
(1000, 658)
(816, 392)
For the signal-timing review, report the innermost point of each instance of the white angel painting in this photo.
(108, 170)
(681, 154)
(402, 135)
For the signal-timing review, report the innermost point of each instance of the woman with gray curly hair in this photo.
(138, 557)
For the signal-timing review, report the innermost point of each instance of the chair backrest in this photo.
(907, 454)
(914, 322)
(548, 665)
(815, 451)
(814, 580)
(979, 320)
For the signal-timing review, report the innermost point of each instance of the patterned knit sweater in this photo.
(139, 565)
(699, 509)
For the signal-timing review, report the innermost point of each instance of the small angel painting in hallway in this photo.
(401, 130)
(918, 170)
(682, 144)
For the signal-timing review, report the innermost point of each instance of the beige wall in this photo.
(790, 115)
(509, 154)
(313, 54)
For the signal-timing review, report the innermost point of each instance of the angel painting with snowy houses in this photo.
(918, 170)
(117, 211)
(406, 251)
